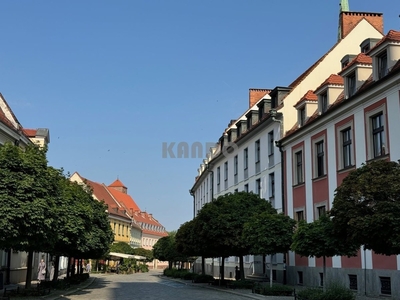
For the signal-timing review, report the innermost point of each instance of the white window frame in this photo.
(369, 131)
(341, 147)
(315, 143)
(271, 180)
(295, 151)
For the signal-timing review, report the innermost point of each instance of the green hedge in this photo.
(333, 292)
(203, 278)
(277, 290)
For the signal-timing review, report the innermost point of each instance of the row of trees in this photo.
(366, 211)
(41, 210)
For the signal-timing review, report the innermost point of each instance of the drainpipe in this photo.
(194, 202)
(278, 144)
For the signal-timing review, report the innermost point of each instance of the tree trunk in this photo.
(56, 267)
(73, 267)
(69, 267)
(8, 274)
(241, 266)
(263, 262)
(169, 264)
(222, 271)
(324, 274)
(203, 265)
(270, 270)
(28, 279)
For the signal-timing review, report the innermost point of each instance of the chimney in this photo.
(256, 94)
(348, 20)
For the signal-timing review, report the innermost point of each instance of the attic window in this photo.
(273, 102)
(365, 48)
(351, 83)
(302, 118)
(382, 65)
(345, 63)
(324, 102)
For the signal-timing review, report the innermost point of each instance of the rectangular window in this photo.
(246, 158)
(382, 65)
(257, 151)
(302, 116)
(321, 210)
(300, 215)
(353, 282)
(386, 286)
(235, 169)
(378, 135)
(299, 167)
(258, 187)
(226, 174)
(272, 185)
(271, 143)
(218, 175)
(320, 159)
(246, 188)
(351, 84)
(346, 147)
(324, 102)
(299, 277)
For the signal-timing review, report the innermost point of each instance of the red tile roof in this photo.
(29, 132)
(101, 193)
(361, 58)
(125, 199)
(333, 79)
(117, 183)
(309, 96)
(392, 36)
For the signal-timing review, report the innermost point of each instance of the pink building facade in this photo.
(349, 119)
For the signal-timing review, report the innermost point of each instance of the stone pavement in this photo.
(75, 289)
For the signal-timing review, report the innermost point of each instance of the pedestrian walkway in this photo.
(54, 294)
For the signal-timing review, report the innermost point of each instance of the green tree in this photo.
(145, 253)
(220, 224)
(27, 200)
(366, 207)
(165, 250)
(318, 239)
(121, 247)
(267, 233)
(186, 239)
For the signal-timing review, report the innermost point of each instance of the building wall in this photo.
(121, 229)
(329, 65)
(356, 114)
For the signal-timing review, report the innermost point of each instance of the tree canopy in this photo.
(268, 233)
(366, 207)
(42, 211)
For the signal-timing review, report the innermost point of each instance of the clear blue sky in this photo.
(113, 80)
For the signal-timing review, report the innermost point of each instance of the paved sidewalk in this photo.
(55, 294)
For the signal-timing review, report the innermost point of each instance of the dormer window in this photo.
(273, 102)
(351, 83)
(324, 102)
(382, 65)
(302, 119)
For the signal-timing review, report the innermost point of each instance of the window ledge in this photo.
(346, 169)
(320, 178)
(298, 184)
(383, 157)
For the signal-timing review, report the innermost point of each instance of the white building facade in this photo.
(254, 164)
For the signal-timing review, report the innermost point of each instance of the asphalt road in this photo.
(146, 286)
